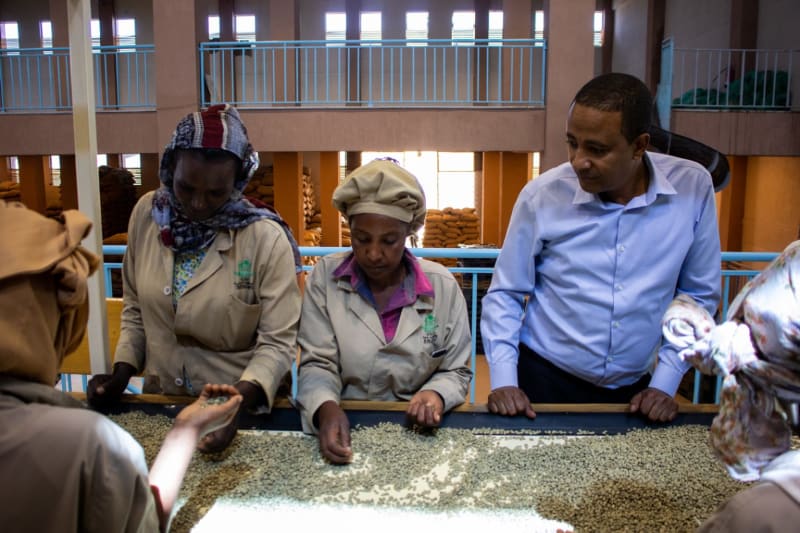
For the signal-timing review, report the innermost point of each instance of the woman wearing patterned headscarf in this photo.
(756, 352)
(378, 323)
(66, 468)
(209, 286)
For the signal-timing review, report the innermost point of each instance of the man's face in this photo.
(605, 162)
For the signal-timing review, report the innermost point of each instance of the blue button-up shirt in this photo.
(584, 283)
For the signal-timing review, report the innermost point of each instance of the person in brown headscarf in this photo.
(209, 279)
(377, 322)
(64, 468)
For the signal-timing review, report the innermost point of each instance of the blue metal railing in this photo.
(382, 73)
(737, 268)
(728, 78)
(38, 79)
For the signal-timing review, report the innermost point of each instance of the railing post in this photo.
(664, 91)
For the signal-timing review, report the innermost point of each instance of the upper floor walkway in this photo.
(438, 93)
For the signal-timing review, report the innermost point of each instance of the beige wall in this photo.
(698, 24)
(630, 37)
(778, 22)
(742, 133)
(771, 214)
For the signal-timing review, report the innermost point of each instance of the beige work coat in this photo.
(344, 353)
(66, 469)
(237, 319)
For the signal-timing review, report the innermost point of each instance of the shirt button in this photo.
(616, 325)
(167, 290)
(179, 382)
(621, 248)
(610, 359)
(618, 286)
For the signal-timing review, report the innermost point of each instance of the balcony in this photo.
(381, 73)
(740, 101)
(38, 79)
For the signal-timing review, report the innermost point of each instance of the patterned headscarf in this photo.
(757, 353)
(218, 127)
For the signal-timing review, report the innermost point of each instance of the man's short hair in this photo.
(620, 92)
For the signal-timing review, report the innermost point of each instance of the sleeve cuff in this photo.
(309, 405)
(503, 375)
(666, 378)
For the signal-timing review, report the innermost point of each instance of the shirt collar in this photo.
(421, 284)
(658, 185)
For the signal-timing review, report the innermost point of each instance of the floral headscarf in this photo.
(218, 127)
(757, 352)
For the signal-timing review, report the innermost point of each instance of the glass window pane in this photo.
(335, 27)
(463, 27)
(46, 34)
(245, 28)
(371, 27)
(456, 162)
(495, 27)
(213, 27)
(126, 32)
(417, 27)
(598, 28)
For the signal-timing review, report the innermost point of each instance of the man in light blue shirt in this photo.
(596, 249)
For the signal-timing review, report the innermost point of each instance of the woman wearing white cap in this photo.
(377, 323)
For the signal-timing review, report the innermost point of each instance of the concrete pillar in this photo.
(288, 187)
(730, 205)
(393, 20)
(490, 199)
(480, 57)
(106, 74)
(284, 26)
(607, 50)
(655, 36)
(174, 27)
(568, 30)
(114, 160)
(517, 24)
(352, 32)
(440, 20)
(60, 24)
(515, 172)
(328, 181)
(32, 182)
(69, 182)
(352, 161)
(744, 32)
(84, 126)
(150, 165)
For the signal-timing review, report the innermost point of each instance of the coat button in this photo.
(167, 290)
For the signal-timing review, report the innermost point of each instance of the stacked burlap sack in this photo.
(261, 187)
(9, 191)
(451, 227)
(117, 198)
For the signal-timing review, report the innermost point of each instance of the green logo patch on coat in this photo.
(244, 275)
(429, 327)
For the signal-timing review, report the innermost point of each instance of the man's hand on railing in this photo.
(510, 401)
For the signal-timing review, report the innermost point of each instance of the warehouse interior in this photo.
(471, 95)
